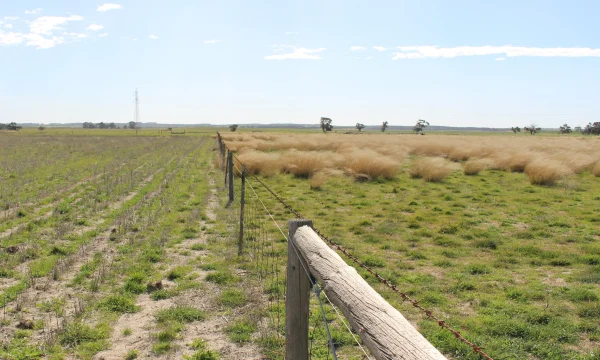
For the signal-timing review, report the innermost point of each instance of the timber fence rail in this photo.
(301, 265)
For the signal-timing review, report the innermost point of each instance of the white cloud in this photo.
(34, 11)
(500, 58)
(103, 35)
(8, 26)
(10, 18)
(45, 25)
(42, 32)
(153, 37)
(95, 27)
(379, 48)
(369, 58)
(211, 41)
(297, 53)
(41, 42)
(357, 48)
(106, 7)
(428, 52)
(10, 38)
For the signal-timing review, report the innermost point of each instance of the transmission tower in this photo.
(136, 101)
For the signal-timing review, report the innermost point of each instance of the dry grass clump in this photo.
(430, 169)
(596, 169)
(474, 167)
(372, 164)
(513, 162)
(318, 180)
(257, 162)
(306, 163)
(545, 171)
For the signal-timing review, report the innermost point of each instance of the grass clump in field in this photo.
(182, 314)
(596, 169)
(221, 277)
(241, 331)
(545, 172)
(305, 163)
(474, 167)
(202, 351)
(430, 169)
(233, 298)
(371, 163)
(257, 162)
(119, 304)
(318, 180)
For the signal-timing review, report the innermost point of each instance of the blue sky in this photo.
(455, 63)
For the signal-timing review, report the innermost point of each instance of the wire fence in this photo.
(265, 243)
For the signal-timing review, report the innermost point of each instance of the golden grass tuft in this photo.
(372, 164)
(596, 169)
(474, 167)
(430, 169)
(318, 180)
(305, 163)
(545, 171)
(257, 162)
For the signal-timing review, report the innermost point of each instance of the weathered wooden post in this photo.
(242, 199)
(382, 328)
(230, 172)
(297, 298)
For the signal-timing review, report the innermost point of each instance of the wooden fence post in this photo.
(242, 199)
(382, 328)
(297, 299)
(230, 172)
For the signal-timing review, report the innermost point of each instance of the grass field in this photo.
(498, 234)
(118, 245)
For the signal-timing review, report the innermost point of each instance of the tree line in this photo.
(10, 126)
(112, 125)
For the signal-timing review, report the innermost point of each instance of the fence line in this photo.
(228, 155)
(314, 285)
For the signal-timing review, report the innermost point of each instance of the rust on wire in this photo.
(405, 297)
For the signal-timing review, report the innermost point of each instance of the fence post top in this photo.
(296, 223)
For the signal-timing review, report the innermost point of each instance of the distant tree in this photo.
(384, 126)
(515, 129)
(532, 129)
(420, 126)
(565, 129)
(112, 125)
(326, 124)
(132, 125)
(591, 129)
(2, 126)
(579, 129)
(233, 127)
(101, 125)
(89, 125)
(170, 129)
(13, 126)
(359, 126)
(41, 128)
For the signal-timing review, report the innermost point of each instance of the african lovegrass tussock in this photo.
(474, 167)
(430, 169)
(545, 172)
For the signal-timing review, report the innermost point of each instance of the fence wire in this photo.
(265, 246)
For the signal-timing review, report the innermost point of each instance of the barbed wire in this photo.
(317, 289)
(404, 296)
